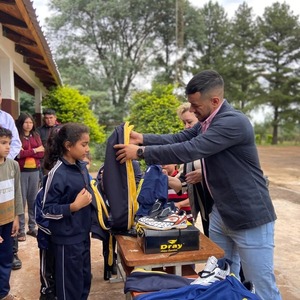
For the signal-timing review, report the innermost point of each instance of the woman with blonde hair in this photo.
(191, 175)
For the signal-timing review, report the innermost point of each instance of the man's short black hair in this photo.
(204, 81)
(5, 132)
(49, 111)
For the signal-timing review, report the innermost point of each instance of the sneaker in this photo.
(157, 208)
(212, 272)
(161, 209)
(173, 220)
(16, 264)
(249, 285)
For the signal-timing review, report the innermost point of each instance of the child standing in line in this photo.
(67, 206)
(10, 209)
(47, 262)
(29, 161)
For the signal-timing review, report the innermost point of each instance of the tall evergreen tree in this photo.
(279, 58)
(213, 47)
(242, 87)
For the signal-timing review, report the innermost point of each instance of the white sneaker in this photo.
(177, 221)
(212, 272)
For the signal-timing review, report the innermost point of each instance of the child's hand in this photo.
(83, 199)
(1, 239)
(40, 149)
(15, 227)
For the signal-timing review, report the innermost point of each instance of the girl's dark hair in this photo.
(55, 146)
(5, 132)
(21, 120)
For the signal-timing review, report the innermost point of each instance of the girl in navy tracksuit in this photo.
(67, 206)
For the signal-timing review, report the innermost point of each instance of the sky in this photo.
(230, 6)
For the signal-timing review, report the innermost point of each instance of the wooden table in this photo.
(130, 255)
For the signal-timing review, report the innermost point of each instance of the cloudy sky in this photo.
(229, 5)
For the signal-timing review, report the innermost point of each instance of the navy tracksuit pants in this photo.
(73, 270)
(6, 257)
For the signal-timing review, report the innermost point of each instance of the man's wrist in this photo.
(140, 152)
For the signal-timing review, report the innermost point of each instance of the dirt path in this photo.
(280, 164)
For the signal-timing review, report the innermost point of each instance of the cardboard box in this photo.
(174, 240)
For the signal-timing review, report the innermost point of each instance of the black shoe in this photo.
(33, 233)
(49, 296)
(114, 269)
(16, 264)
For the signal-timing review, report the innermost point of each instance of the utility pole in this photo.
(179, 40)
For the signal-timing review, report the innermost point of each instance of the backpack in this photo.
(44, 233)
(119, 182)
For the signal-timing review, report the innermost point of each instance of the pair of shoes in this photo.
(32, 233)
(161, 209)
(213, 271)
(16, 264)
(21, 237)
(162, 222)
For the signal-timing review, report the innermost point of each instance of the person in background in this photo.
(7, 121)
(29, 161)
(10, 209)
(68, 207)
(191, 176)
(181, 200)
(47, 261)
(243, 216)
(50, 122)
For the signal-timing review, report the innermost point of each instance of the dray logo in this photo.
(171, 246)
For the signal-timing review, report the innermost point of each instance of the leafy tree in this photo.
(242, 86)
(71, 106)
(279, 58)
(115, 38)
(176, 33)
(155, 111)
(27, 103)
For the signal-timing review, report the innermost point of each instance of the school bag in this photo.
(44, 233)
(119, 182)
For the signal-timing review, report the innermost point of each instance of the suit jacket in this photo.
(233, 170)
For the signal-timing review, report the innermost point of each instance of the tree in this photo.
(155, 111)
(214, 47)
(114, 38)
(279, 58)
(26, 103)
(242, 86)
(71, 106)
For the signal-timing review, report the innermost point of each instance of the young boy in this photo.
(10, 208)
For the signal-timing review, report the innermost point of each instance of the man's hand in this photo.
(126, 152)
(194, 177)
(136, 138)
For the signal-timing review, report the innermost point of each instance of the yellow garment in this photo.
(132, 194)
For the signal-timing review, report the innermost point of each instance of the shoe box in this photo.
(173, 240)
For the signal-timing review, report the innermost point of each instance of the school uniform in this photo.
(69, 230)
